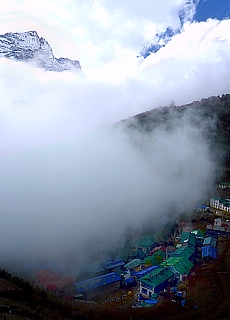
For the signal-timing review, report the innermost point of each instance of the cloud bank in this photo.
(69, 183)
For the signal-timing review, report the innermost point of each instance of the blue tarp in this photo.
(209, 251)
(151, 301)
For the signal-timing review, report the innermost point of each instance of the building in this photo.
(51, 282)
(162, 248)
(202, 208)
(188, 238)
(224, 185)
(210, 241)
(155, 259)
(209, 248)
(180, 266)
(185, 251)
(144, 244)
(215, 201)
(142, 273)
(95, 286)
(185, 226)
(220, 203)
(209, 251)
(134, 264)
(111, 264)
(199, 237)
(198, 233)
(155, 281)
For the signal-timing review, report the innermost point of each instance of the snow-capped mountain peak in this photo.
(29, 47)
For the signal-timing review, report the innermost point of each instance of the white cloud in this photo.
(64, 175)
(93, 28)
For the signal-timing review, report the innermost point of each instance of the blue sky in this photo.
(215, 9)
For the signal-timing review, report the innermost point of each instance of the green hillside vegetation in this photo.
(211, 115)
(20, 300)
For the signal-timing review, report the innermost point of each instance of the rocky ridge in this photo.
(29, 47)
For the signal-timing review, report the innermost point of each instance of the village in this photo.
(150, 271)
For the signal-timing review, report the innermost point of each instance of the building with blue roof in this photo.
(142, 273)
(202, 208)
(130, 282)
(97, 285)
(210, 241)
(111, 264)
(209, 251)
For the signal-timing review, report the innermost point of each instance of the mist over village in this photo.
(114, 171)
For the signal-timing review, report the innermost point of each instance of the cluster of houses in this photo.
(148, 266)
(151, 268)
(221, 203)
(224, 185)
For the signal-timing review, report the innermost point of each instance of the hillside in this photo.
(209, 284)
(212, 115)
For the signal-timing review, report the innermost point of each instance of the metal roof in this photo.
(188, 237)
(133, 264)
(145, 241)
(183, 251)
(97, 282)
(216, 198)
(225, 183)
(210, 241)
(112, 263)
(130, 281)
(198, 233)
(181, 264)
(142, 273)
(157, 277)
(209, 251)
(156, 258)
(202, 206)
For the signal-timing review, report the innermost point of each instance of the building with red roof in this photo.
(53, 283)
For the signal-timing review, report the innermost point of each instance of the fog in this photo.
(72, 182)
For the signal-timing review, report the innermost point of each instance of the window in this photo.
(143, 290)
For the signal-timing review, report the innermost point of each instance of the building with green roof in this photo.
(198, 233)
(144, 244)
(220, 203)
(199, 237)
(155, 281)
(188, 238)
(180, 266)
(155, 259)
(224, 185)
(184, 251)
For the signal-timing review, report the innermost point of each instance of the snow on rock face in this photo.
(29, 47)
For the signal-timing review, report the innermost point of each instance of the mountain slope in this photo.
(29, 47)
